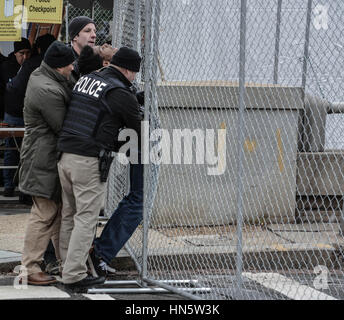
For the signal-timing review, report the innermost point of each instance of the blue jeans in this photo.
(124, 220)
(49, 254)
(11, 157)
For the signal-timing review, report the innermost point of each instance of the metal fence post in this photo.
(92, 9)
(67, 23)
(147, 76)
(241, 137)
(151, 104)
(137, 16)
(116, 32)
(306, 48)
(277, 40)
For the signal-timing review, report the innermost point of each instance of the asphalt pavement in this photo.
(279, 240)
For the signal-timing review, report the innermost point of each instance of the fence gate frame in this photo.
(145, 284)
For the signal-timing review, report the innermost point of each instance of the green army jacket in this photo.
(46, 99)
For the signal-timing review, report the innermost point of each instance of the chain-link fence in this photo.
(244, 188)
(101, 16)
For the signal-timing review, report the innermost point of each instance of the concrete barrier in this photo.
(187, 195)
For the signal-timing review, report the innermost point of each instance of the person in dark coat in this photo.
(10, 66)
(8, 70)
(17, 86)
(2, 58)
(14, 104)
(127, 114)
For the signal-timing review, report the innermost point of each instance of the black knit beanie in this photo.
(20, 45)
(89, 61)
(59, 55)
(43, 42)
(77, 24)
(127, 58)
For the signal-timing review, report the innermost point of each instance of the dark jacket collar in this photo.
(53, 74)
(2, 58)
(119, 75)
(76, 56)
(12, 59)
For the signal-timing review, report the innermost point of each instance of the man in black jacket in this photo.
(8, 70)
(102, 104)
(82, 32)
(14, 104)
(15, 89)
(2, 58)
(10, 66)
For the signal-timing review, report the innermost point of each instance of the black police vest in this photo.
(88, 105)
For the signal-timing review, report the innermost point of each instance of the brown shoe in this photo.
(40, 279)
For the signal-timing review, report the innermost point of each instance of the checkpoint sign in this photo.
(43, 11)
(10, 20)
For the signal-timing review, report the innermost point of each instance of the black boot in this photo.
(82, 285)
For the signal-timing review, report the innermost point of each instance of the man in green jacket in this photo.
(47, 95)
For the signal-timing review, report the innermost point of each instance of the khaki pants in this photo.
(82, 198)
(44, 224)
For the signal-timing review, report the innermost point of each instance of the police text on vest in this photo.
(89, 86)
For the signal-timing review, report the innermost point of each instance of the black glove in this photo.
(140, 96)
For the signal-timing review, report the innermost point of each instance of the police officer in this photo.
(102, 103)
